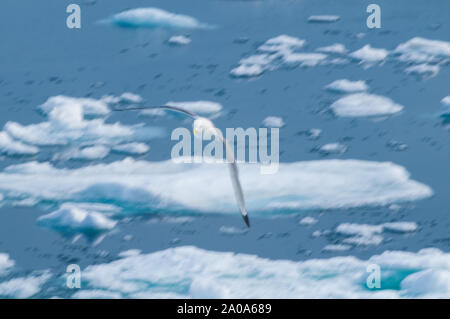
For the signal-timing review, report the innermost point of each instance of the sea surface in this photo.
(139, 226)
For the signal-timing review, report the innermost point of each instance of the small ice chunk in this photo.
(424, 69)
(130, 253)
(337, 48)
(363, 104)
(370, 55)
(446, 101)
(308, 221)
(402, 227)
(337, 247)
(273, 121)
(333, 148)
(230, 230)
(179, 40)
(347, 86)
(248, 70)
(323, 18)
(304, 59)
(282, 43)
(75, 219)
(5, 263)
(314, 133)
(132, 148)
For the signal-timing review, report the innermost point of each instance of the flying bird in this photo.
(203, 125)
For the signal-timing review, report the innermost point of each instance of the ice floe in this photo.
(347, 86)
(190, 272)
(323, 18)
(337, 247)
(446, 101)
(147, 186)
(179, 40)
(88, 106)
(155, 18)
(337, 48)
(273, 121)
(5, 263)
(304, 59)
(73, 219)
(67, 124)
(132, 148)
(333, 148)
(369, 55)
(421, 50)
(230, 230)
(282, 43)
(274, 53)
(363, 234)
(425, 70)
(23, 287)
(363, 104)
(11, 147)
(308, 220)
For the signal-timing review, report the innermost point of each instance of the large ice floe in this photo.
(202, 187)
(155, 18)
(363, 104)
(190, 272)
(77, 121)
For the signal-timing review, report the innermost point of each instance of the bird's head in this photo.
(202, 126)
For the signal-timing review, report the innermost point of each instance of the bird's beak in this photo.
(195, 131)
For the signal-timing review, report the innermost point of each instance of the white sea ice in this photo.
(363, 104)
(273, 121)
(166, 185)
(75, 219)
(369, 55)
(155, 18)
(179, 40)
(190, 272)
(347, 86)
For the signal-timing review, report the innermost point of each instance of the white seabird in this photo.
(203, 125)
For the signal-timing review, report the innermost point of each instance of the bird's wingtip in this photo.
(247, 221)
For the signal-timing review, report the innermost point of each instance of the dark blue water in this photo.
(40, 57)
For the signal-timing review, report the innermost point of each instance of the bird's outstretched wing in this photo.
(234, 174)
(167, 107)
